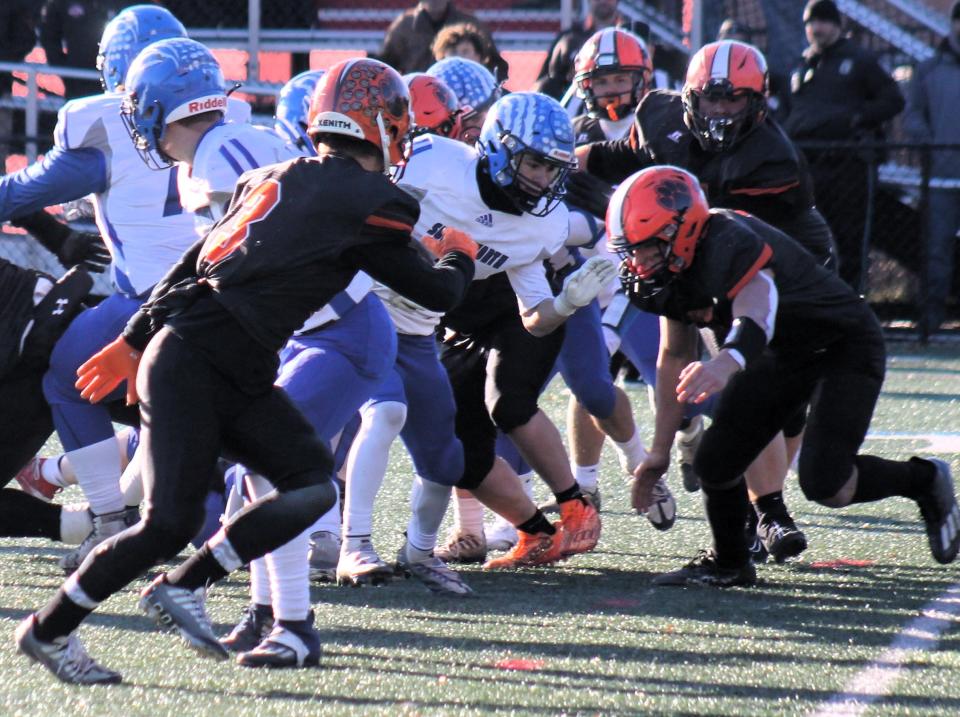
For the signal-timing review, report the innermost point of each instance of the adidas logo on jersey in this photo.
(486, 220)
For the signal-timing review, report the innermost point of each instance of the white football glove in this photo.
(583, 285)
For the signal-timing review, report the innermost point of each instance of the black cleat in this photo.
(65, 657)
(289, 644)
(938, 506)
(254, 626)
(781, 537)
(181, 610)
(704, 570)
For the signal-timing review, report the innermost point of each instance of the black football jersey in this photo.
(815, 307)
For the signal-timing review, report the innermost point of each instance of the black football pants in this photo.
(190, 414)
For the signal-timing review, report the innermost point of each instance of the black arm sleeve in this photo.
(48, 232)
(437, 287)
(144, 324)
(614, 161)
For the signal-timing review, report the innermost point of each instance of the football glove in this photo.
(84, 249)
(107, 369)
(451, 240)
(586, 192)
(583, 285)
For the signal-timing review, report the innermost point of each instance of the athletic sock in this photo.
(771, 504)
(726, 510)
(329, 521)
(25, 516)
(59, 617)
(879, 478)
(50, 472)
(537, 524)
(467, 513)
(98, 472)
(526, 480)
(260, 582)
(289, 572)
(428, 503)
(571, 493)
(586, 476)
(630, 453)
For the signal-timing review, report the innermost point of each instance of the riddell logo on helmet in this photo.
(206, 104)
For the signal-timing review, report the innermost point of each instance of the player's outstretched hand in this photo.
(85, 249)
(583, 285)
(451, 240)
(700, 380)
(107, 369)
(645, 477)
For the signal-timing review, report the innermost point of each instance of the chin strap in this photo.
(384, 143)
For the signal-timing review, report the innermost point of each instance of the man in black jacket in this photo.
(840, 93)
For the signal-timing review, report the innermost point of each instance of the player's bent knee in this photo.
(511, 413)
(389, 416)
(476, 469)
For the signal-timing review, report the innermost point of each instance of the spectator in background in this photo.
(840, 93)
(556, 74)
(933, 109)
(468, 41)
(70, 33)
(407, 44)
(17, 38)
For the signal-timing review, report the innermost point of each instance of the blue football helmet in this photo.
(293, 106)
(473, 84)
(126, 35)
(170, 80)
(528, 123)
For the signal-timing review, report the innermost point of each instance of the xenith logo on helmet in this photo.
(206, 104)
(334, 123)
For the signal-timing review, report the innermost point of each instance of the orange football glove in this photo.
(451, 240)
(108, 368)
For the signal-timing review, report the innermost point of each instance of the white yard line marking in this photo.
(876, 681)
(936, 442)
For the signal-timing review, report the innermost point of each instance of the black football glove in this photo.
(84, 249)
(586, 192)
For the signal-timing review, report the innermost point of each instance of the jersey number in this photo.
(226, 237)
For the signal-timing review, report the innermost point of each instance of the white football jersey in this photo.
(226, 151)
(442, 176)
(139, 215)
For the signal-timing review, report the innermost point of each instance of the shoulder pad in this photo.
(81, 122)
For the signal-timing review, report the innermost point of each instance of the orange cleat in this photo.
(581, 526)
(530, 550)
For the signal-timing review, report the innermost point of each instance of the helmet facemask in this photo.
(719, 133)
(146, 128)
(617, 109)
(524, 194)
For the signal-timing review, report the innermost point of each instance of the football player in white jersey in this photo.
(139, 214)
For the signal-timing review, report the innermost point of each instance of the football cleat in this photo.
(463, 548)
(531, 550)
(289, 644)
(938, 507)
(688, 440)
(662, 512)
(758, 551)
(324, 556)
(581, 526)
(65, 657)
(362, 565)
(704, 570)
(433, 573)
(181, 610)
(104, 526)
(501, 534)
(253, 628)
(31, 481)
(592, 493)
(780, 536)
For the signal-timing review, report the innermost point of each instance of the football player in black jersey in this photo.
(792, 333)
(294, 235)
(718, 129)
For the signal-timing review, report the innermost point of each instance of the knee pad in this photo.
(510, 412)
(476, 468)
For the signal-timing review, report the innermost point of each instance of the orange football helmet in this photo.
(607, 51)
(367, 100)
(435, 106)
(664, 205)
(725, 70)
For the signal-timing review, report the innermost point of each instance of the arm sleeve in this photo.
(614, 161)
(402, 267)
(62, 176)
(144, 323)
(48, 232)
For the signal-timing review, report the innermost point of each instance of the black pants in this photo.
(842, 385)
(25, 419)
(190, 413)
(497, 376)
